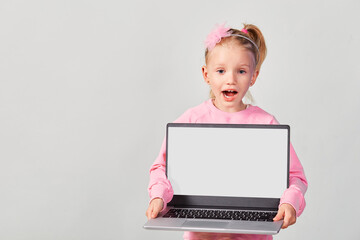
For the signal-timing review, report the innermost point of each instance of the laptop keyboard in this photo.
(220, 214)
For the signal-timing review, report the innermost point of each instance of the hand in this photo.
(155, 206)
(286, 212)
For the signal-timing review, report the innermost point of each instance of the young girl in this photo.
(233, 59)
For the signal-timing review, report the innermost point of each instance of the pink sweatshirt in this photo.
(160, 187)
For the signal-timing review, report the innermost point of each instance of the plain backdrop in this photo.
(86, 88)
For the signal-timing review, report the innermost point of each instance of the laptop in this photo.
(226, 177)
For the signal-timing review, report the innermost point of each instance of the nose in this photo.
(231, 79)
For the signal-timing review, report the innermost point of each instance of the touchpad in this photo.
(204, 224)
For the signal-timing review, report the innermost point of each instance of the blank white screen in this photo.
(238, 162)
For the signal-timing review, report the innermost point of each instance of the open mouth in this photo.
(229, 93)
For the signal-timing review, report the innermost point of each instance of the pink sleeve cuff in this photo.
(161, 191)
(295, 198)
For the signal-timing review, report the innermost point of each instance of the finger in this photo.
(291, 217)
(148, 212)
(155, 211)
(279, 215)
(286, 223)
(287, 220)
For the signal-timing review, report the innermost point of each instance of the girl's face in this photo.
(230, 71)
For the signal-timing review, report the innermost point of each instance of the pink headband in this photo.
(221, 32)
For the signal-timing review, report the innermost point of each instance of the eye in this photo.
(221, 71)
(242, 71)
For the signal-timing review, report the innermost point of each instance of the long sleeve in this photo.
(294, 195)
(298, 184)
(159, 185)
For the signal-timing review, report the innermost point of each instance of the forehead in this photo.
(230, 52)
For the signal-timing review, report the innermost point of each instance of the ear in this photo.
(254, 77)
(205, 74)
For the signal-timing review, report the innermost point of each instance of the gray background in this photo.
(86, 88)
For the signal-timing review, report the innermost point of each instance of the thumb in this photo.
(279, 215)
(157, 208)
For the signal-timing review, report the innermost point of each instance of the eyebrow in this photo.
(222, 65)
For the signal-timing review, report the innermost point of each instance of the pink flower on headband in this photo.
(216, 35)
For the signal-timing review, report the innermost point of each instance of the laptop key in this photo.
(221, 214)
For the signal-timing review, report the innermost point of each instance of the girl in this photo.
(233, 59)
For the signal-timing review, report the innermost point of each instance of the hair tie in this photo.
(244, 31)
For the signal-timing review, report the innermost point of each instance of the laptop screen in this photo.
(228, 160)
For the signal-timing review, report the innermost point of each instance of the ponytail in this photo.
(256, 35)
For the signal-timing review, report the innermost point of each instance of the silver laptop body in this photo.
(225, 168)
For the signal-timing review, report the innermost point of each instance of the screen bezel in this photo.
(222, 202)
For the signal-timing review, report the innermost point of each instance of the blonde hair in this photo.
(254, 33)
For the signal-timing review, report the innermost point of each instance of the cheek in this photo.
(245, 83)
(215, 88)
